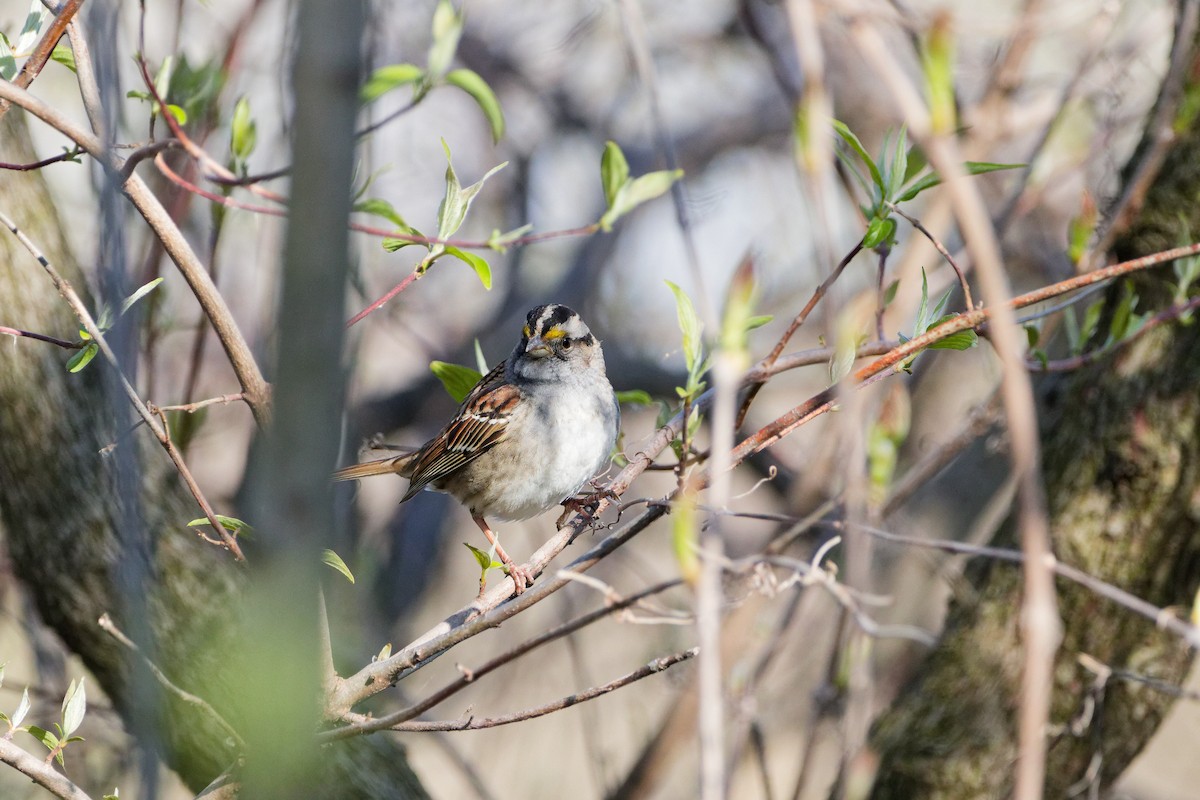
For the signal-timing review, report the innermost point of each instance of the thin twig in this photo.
(41, 337)
(160, 431)
(176, 245)
(71, 154)
(941, 248)
(472, 724)
(1161, 617)
(559, 631)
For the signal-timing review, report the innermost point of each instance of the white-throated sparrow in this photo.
(528, 436)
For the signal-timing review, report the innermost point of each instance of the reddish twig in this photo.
(41, 337)
(941, 248)
(40, 55)
(67, 155)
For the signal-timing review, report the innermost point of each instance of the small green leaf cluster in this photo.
(452, 212)
(622, 193)
(89, 348)
(486, 561)
(447, 30)
(162, 87)
(74, 707)
(1125, 322)
(929, 318)
(896, 176)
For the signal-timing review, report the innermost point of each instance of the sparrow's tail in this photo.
(380, 466)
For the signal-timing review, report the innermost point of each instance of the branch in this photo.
(40, 772)
(41, 337)
(472, 724)
(253, 384)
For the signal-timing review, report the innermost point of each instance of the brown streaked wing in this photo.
(479, 425)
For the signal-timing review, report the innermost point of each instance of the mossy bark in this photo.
(64, 530)
(1121, 465)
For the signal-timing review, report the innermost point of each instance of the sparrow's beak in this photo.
(537, 348)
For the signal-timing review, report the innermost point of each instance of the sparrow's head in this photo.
(554, 341)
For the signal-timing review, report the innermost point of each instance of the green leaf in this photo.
(178, 113)
(74, 707)
(384, 654)
(1032, 335)
(475, 262)
(8, 63)
(44, 736)
(634, 397)
(1091, 319)
(332, 559)
(849, 138)
(22, 709)
(458, 380)
(889, 294)
(162, 81)
(877, 232)
(385, 79)
(477, 87)
(243, 131)
(483, 558)
(384, 209)
(500, 241)
(234, 525)
(638, 191)
(933, 179)
(614, 172)
(63, 54)
(83, 357)
(960, 340)
(142, 291)
(758, 320)
(689, 326)
(457, 200)
(1123, 316)
(447, 28)
(392, 244)
(31, 30)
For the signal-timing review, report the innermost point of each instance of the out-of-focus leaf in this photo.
(332, 559)
(458, 380)
(385, 79)
(484, 97)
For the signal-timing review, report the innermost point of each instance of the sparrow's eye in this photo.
(565, 343)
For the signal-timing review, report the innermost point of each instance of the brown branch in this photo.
(469, 676)
(39, 772)
(41, 52)
(472, 724)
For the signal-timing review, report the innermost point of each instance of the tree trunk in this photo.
(1122, 469)
(64, 532)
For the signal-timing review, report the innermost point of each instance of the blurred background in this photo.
(724, 78)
